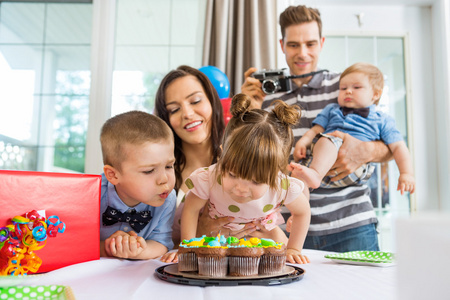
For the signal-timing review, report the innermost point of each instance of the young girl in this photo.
(248, 182)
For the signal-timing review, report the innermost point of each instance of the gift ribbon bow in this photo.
(363, 112)
(137, 220)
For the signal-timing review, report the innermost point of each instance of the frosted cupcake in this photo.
(274, 258)
(187, 257)
(243, 259)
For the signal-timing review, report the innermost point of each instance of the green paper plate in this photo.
(58, 292)
(372, 258)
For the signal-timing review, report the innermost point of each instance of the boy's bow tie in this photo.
(363, 112)
(137, 220)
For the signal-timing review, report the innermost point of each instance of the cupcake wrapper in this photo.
(271, 265)
(187, 262)
(211, 266)
(243, 266)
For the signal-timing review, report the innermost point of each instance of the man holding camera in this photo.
(342, 219)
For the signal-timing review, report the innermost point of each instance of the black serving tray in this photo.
(168, 273)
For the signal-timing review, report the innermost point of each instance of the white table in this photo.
(124, 279)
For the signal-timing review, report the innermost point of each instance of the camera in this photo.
(274, 81)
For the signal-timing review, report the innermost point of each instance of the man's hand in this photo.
(206, 225)
(352, 155)
(252, 88)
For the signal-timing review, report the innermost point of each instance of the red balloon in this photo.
(226, 103)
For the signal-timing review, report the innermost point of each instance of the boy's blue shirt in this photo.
(377, 126)
(159, 228)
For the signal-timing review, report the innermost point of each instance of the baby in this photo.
(360, 89)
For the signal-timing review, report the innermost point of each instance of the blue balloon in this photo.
(218, 79)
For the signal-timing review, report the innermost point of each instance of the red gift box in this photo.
(74, 198)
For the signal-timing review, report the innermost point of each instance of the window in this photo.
(44, 85)
(45, 71)
(153, 37)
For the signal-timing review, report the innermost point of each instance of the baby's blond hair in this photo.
(376, 78)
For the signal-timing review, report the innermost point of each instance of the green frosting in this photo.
(268, 242)
(232, 240)
(209, 239)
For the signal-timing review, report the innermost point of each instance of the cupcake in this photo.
(244, 260)
(187, 257)
(212, 261)
(274, 258)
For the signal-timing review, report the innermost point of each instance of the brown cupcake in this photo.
(212, 261)
(187, 259)
(244, 261)
(273, 260)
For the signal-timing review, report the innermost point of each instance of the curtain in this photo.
(240, 34)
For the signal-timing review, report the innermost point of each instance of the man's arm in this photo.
(354, 153)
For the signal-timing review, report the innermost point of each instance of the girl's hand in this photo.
(296, 257)
(170, 257)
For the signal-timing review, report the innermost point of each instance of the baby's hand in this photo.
(296, 257)
(170, 257)
(124, 245)
(300, 150)
(406, 183)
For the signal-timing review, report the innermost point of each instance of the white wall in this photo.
(429, 105)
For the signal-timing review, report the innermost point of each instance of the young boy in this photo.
(137, 197)
(360, 89)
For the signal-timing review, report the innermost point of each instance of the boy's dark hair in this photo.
(130, 128)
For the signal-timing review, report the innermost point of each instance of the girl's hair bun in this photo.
(240, 104)
(287, 114)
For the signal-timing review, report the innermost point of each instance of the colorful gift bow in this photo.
(21, 238)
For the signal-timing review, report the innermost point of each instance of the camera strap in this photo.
(306, 75)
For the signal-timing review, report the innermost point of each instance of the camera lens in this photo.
(269, 86)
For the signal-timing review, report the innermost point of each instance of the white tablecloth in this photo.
(124, 279)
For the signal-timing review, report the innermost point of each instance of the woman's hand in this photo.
(207, 225)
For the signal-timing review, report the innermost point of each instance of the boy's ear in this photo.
(377, 95)
(111, 174)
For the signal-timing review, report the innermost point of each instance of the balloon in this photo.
(218, 79)
(226, 103)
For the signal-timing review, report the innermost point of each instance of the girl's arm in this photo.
(301, 217)
(189, 217)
